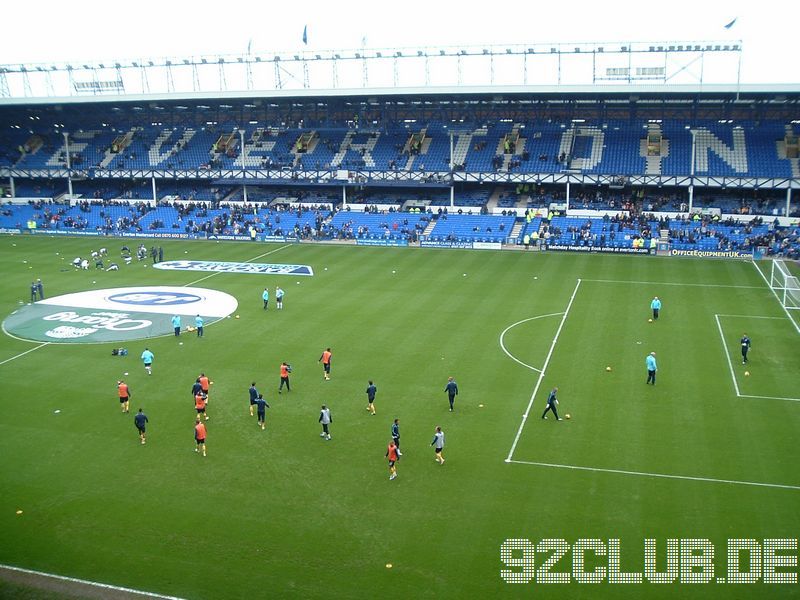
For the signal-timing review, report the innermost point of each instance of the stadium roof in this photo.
(779, 92)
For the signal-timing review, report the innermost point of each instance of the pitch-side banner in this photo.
(713, 253)
(608, 249)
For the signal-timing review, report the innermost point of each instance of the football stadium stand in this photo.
(766, 149)
(439, 171)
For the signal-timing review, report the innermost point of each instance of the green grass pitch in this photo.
(282, 513)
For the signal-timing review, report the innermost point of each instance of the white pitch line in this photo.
(511, 356)
(730, 363)
(24, 353)
(770, 397)
(751, 317)
(708, 285)
(727, 355)
(541, 373)
(105, 586)
(247, 261)
(658, 475)
(774, 293)
(202, 279)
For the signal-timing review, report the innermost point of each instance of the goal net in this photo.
(785, 285)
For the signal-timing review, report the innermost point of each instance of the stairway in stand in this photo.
(519, 224)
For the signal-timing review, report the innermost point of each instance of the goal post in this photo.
(785, 285)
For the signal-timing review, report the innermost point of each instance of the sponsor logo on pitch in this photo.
(155, 298)
(118, 314)
(235, 267)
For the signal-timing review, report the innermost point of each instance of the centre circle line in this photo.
(507, 329)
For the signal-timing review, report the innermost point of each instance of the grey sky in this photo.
(93, 30)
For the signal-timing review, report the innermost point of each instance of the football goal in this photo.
(785, 285)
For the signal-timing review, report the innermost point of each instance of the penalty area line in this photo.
(752, 317)
(770, 397)
(728, 357)
(730, 361)
(247, 261)
(541, 373)
(118, 591)
(657, 475)
(8, 360)
(677, 283)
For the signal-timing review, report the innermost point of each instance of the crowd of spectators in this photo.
(404, 229)
(632, 222)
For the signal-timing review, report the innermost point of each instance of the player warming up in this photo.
(205, 385)
(200, 402)
(147, 359)
(652, 367)
(200, 436)
(391, 454)
(552, 403)
(176, 325)
(452, 391)
(371, 391)
(396, 435)
(196, 388)
(253, 396)
(124, 395)
(326, 419)
(140, 420)
(656, 306)
(198, 322)
(279, 297)
(745, 342)
(262, 407)
(438, 445)
(286, 368)
(325, 359)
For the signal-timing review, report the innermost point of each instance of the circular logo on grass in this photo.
(117, 314)
(141, 298)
